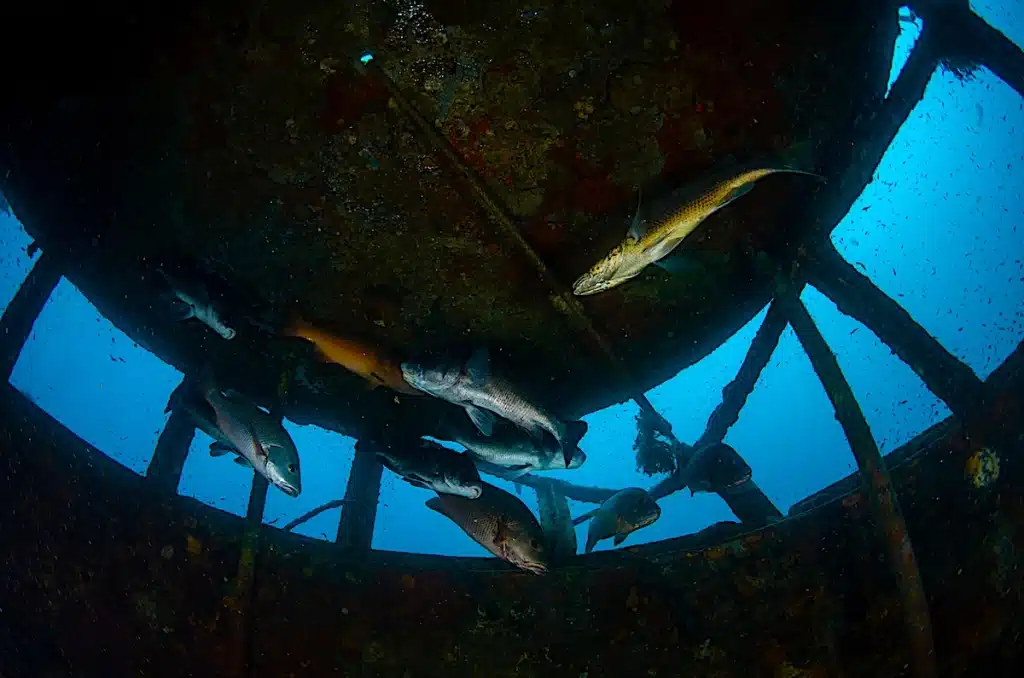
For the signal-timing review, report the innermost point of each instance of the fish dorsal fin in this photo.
(435, 504)
(483, 419)
(478, 368)
(636, 226)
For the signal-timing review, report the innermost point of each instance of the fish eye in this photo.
(291, 468)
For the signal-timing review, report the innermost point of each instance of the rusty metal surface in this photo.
(240, 134)
(102, 577)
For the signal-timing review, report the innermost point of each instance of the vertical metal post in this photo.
(877, 483)
(245, 581)
(20, 315)
(359, 512)
(164, 472)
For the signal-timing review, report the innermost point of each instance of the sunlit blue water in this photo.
(939, 229)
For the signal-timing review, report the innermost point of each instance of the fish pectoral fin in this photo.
(517, 472)
(219, 449)
(242, 461)
(585, 517)
(662, 249)
(478, 368)
(483, 419)
(620, 537)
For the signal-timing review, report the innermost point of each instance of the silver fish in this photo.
(500, 523)
(255, 436)
(486, 397)
(426, 464)
(623, 513)
(514, 453)
(192, 300)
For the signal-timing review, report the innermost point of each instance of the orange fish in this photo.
(369, 364)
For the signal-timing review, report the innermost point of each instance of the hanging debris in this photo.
(654, 453)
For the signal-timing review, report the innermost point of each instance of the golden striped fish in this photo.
(652, 239)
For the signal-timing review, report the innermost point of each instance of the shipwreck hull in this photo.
(105, 577)
(242, 135)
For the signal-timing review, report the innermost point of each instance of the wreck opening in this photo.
(525, 219)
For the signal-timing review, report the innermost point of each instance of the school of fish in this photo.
(511, 434)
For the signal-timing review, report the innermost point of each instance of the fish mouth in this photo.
(288, 489)
(586, 285)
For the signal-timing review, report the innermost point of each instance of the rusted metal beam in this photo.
(20, 315)
(359, 512)
(850, 162)
(856, 296)
(164, 472)
(240, 603)
(877, 484)
(735, 394)
(563, 299)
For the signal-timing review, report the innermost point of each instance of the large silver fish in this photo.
(514, 453)
(500, 523)
(486, 396)
(426, 464)
(620, 515)
(257, 437)
(653, 236)
(192, 300)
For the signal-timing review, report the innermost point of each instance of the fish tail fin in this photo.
(295, 325)
(571, 436)
(584, 517)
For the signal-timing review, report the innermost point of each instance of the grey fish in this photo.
(653, 237)
(515, 454)
(623, 513)
(715, 468)
(486, 397)
(426, 464)
(187, 398)
(500, 523)
(257, 437)
(192, 300)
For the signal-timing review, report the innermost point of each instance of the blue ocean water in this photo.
(940, 229)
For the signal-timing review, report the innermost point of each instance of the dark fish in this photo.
(426, 464)
(623, 513)
(487, 397)
(500, 523)
(715, 468)
(192, 300)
